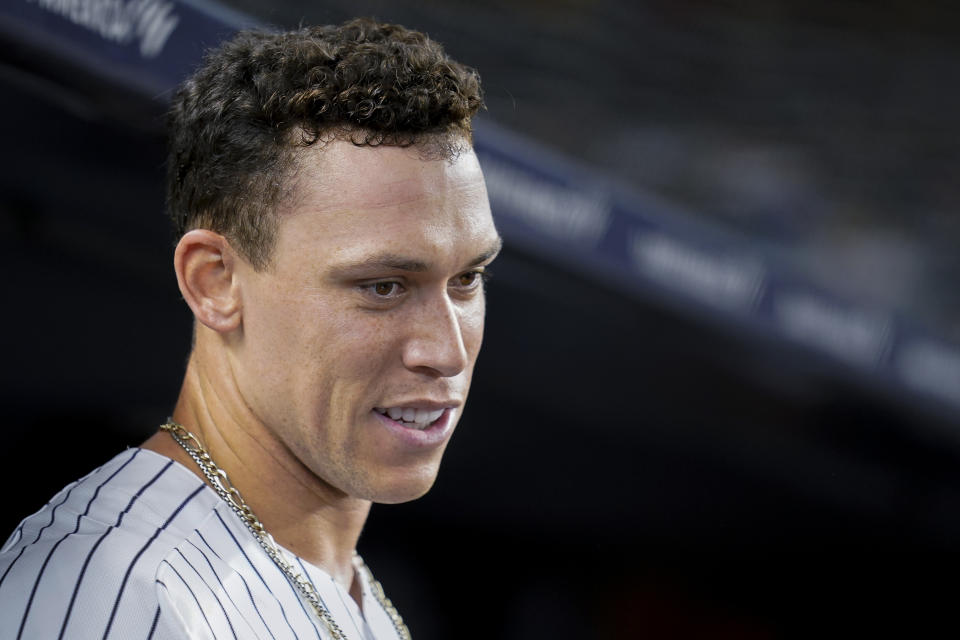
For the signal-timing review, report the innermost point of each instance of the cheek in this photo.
(357, 346)
(471, 327)
(286, 335)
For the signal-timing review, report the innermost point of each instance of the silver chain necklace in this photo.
(225, 489)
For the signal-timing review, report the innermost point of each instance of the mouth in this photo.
(418, 418)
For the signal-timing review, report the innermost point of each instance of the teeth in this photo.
(416, 418)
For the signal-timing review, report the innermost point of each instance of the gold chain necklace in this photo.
(225, 489)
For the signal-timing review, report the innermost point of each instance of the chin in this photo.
(406, 488)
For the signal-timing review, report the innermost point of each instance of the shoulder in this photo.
(88, 560)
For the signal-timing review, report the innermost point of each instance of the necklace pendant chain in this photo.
(221, 484)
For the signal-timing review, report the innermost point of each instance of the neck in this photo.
(300, 510)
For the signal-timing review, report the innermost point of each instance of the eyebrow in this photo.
(489, 254)
(397, 262)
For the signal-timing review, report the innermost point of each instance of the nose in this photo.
(436, 346)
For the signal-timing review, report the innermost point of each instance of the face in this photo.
(358, 342)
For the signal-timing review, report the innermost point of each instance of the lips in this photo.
(418, 418)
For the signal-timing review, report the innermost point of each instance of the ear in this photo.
(206, 272)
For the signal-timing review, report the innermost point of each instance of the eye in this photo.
(471, 279)
(384, 289)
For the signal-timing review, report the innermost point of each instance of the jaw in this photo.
(407, 485)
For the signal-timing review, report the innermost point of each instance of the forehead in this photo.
(341, 175)
(347, 200)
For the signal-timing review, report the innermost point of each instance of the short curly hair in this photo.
(235, 124)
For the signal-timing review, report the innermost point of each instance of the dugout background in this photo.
(635, 460)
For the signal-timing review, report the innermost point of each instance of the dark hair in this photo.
(235, 125)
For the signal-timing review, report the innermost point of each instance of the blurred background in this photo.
(720, 386)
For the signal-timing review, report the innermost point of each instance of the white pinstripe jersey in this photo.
(142, 548)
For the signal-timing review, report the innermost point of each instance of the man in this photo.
(333, 234)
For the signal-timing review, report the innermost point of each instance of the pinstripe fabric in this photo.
(142, 548)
